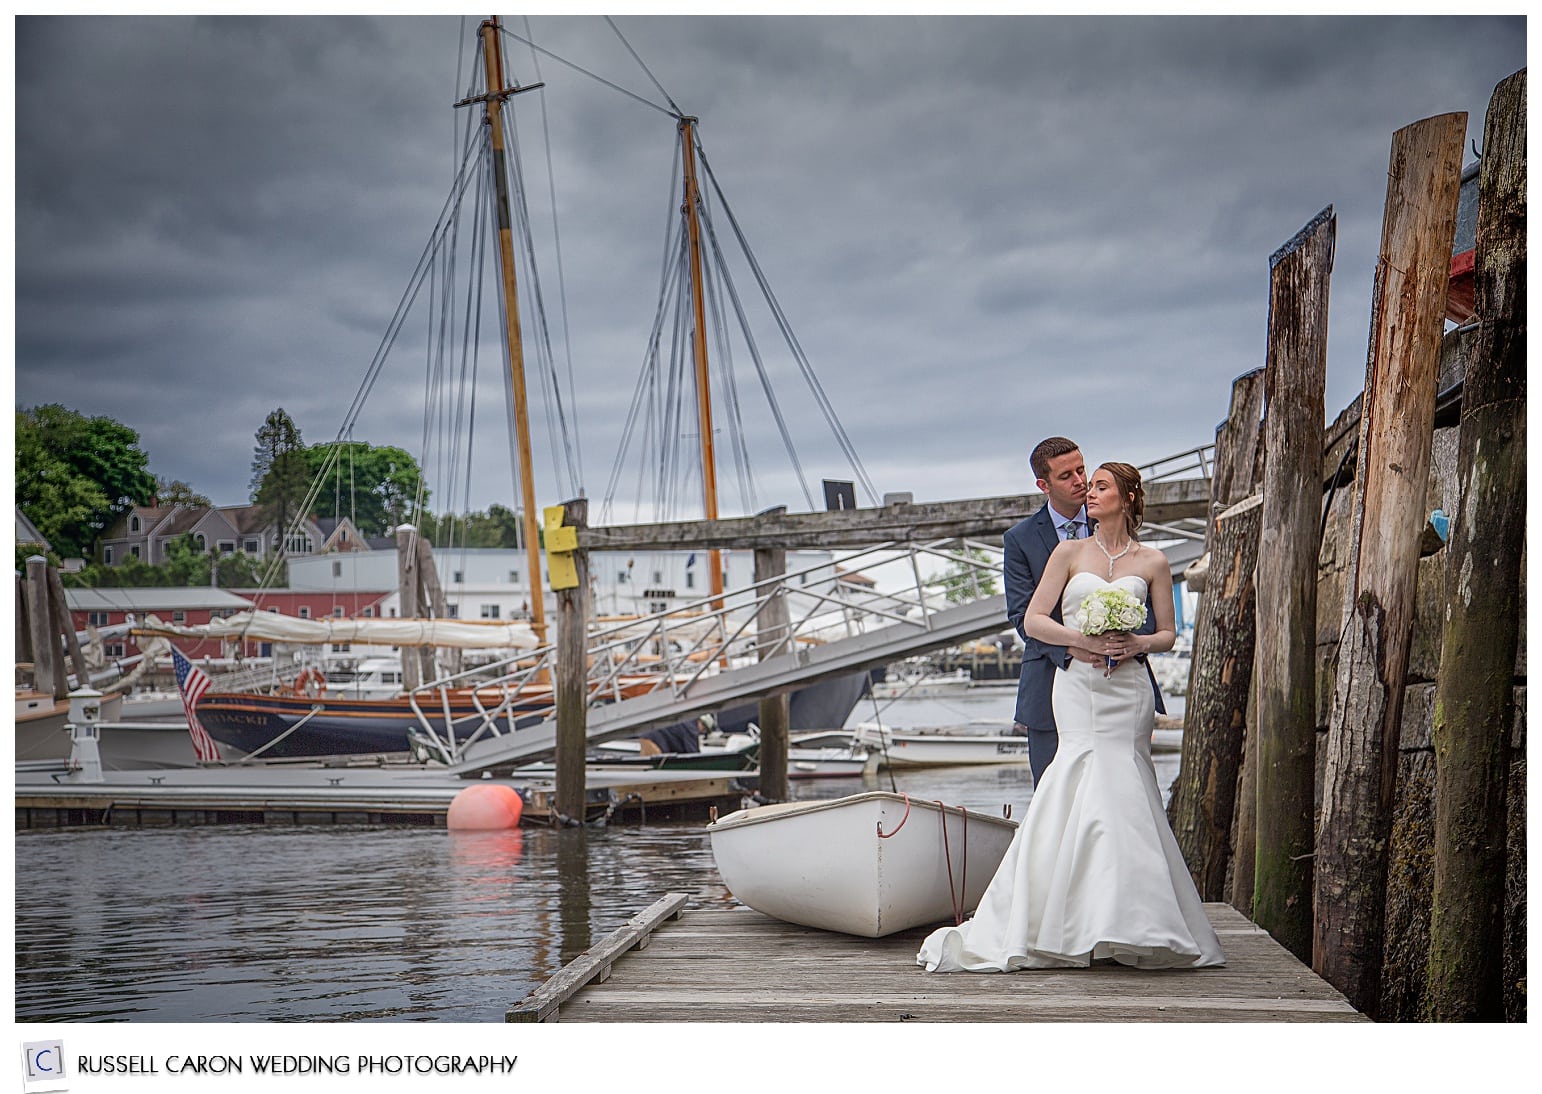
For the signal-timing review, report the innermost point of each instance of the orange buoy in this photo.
(484, 807)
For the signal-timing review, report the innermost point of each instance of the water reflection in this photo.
(336, 923)
(574, 906)
(478, 853)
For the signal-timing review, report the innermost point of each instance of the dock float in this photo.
(670, 963)
(290, 794)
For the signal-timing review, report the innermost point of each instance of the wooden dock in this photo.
(288, 794)
(674, 964)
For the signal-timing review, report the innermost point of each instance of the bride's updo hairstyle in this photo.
(1131, 493)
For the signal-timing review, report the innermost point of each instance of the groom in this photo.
(1060, 473)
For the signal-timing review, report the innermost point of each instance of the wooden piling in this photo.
(775, 710)
(572, 684)
(431, 596)
(1285, 722)
(1408, 311)
(1474, 693)
(407, 585)
(60, 609)
(1244, 825)
(1204, 796)
(47, 661)
(1231, 476)
(1236, 450)
(23, 626)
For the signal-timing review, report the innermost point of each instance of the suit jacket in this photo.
(1026, 548)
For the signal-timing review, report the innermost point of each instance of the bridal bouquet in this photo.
(1109, 610)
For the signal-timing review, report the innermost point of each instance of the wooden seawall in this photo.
(673, 964)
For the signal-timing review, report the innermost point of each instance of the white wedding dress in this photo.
(1094, 871)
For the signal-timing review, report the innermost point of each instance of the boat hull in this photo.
(345, 727)
(342, 727)
(868, 864)
(42, 725)
(828, 763)
(943, 749)
(824, 704)
(42, 733)
(151, 746)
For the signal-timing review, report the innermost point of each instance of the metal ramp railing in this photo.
(698, 657)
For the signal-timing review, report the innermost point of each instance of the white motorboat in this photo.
(373, 678)
(818, 754)
(924, 686)
(868, 864)
(900, 748)
(850, 761)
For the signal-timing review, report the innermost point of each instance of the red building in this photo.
(190, 606)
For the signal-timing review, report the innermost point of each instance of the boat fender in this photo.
(483, 807)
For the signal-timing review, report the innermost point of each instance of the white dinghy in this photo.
(868, 864)
(900, 749)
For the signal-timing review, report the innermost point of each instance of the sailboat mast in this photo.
(699, 348)
(492, 105)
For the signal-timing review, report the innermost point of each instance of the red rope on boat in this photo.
(885, 835)
(947, 854)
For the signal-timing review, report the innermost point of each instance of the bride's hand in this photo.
(1119, 645)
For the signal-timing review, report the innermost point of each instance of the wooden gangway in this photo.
(731, 964)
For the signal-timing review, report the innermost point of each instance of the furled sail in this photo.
(272, 627)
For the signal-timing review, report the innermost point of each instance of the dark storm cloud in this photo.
(983, 229)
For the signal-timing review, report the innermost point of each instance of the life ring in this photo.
(310, 684)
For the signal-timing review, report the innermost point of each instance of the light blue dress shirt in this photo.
(1060, 522)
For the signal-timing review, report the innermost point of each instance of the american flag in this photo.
(192, 683)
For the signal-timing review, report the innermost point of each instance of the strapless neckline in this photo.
(1104, 580)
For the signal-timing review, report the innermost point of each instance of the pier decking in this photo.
(673, 964)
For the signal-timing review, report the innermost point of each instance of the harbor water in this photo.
(351, 923)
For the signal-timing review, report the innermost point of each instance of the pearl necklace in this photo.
(1111, 558)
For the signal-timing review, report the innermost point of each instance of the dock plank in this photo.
(731, 964)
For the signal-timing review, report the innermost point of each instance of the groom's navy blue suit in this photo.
(1026, 550)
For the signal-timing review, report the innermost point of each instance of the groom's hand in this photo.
(1078, 653)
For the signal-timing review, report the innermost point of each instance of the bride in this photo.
(1094, 872)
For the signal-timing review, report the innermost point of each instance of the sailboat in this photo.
(434, 718)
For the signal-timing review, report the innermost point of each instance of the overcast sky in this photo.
(982, 230)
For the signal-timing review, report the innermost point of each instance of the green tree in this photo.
(375, 486)
(175, 492)
(185, 566)
(962, 582)
(497, 527)
(280, 475)
(27, 548)
(76, 475)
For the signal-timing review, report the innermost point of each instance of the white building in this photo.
(494, 583)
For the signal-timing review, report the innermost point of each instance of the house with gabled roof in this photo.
(146, 532)
(339, 534)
